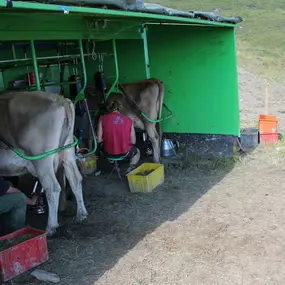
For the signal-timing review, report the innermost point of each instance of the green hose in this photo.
(144, 114)
(43, 155)
(92, 151)
(159, 120)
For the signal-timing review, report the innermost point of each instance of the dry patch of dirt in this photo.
(219, 226)
(252, 99)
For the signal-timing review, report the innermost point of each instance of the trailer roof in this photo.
(151, 14)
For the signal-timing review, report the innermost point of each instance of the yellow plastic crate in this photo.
(146, 183)
(87, 165)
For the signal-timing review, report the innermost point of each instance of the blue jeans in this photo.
(133, 151)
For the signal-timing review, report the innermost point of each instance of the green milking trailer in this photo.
(193, 53)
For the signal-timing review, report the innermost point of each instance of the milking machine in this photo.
(40, 207)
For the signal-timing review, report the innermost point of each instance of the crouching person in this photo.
(116, 136)
(13, 205)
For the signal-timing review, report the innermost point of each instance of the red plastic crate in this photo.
(269, 138)
(23, 256)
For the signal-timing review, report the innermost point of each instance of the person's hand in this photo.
(33, 200)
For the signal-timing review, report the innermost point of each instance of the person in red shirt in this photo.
(116, 134)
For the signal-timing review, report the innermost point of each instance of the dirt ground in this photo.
(205, 225)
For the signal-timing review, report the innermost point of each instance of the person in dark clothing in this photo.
(13, 205)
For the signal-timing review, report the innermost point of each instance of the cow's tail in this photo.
(70, 116)
(159, 109)
(68, 126)
(66, 134)
(68, 158)
(68, 131)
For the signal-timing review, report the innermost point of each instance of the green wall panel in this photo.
(61, 27)
(198, 67)
(131, 60)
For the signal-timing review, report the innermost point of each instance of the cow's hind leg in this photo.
(63, 193)
(75, 180)
(154, 138)
(48, 180)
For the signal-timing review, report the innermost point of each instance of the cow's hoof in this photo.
(81, 218)
(62, 209)
(62, 232)
(81, 215)
(51, 231)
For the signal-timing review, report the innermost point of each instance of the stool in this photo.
(115, 161)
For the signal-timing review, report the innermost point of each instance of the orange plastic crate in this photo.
(268, 124)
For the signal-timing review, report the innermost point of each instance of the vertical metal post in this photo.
(116, 68)
(116, 60)
(83, 66)
(14, 54)
(27, 67)
(34, 57)
(145, 47)
(14, 51)
(82, 96)
(88, 49)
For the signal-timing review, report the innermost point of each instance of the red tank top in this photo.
(116, 133)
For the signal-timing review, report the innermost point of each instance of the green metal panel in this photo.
(198, 67)
(131, 60)
(19, 26)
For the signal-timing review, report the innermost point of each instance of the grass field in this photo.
(260, 38)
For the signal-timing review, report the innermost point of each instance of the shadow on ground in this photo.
(119, 220)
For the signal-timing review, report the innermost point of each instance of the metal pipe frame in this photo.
(27, 67)
(14, 52)
(44, 58)
(116, 68)
(34, 57)
(83, 66)
(81, 96)
(145, 48)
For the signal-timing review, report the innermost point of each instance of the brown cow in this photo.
(146, 96)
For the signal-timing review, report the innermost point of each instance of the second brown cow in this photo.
(143, 96)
